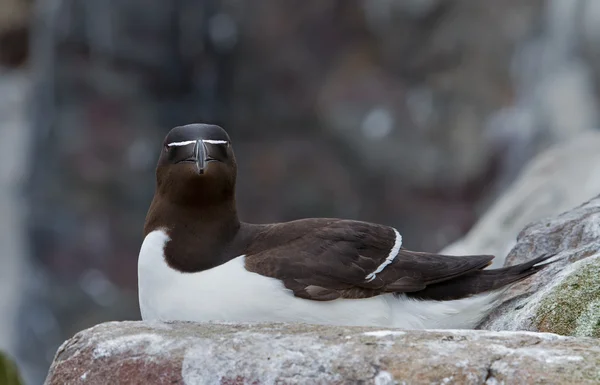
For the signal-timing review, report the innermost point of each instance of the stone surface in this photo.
(557, 180)
(542, 213)
(195, 354)
(564, 298)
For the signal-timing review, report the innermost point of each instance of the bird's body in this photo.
(199, 262)
(231, 293)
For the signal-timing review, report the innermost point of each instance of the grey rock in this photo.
(194, 354)
(564, 298)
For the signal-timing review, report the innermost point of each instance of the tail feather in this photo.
(480, 281)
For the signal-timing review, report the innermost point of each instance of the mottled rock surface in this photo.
(564, 298)
(527, 222)
(188, 353)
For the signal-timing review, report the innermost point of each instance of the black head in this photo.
(196, 165)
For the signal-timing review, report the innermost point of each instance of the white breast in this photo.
(231, 293)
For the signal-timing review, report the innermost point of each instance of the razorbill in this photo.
(199, 262)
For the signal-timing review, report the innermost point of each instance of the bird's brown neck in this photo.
(201, 236)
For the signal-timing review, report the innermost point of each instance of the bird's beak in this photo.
(200, 156)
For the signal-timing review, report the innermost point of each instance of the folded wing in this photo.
(344, 259)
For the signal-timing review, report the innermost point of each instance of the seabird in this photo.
(199, 262)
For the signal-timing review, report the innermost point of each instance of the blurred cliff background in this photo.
(412, 113)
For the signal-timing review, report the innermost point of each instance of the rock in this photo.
(188, 353)
(564, 298)
(555, 181)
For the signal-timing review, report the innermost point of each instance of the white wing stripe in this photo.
(390, 257)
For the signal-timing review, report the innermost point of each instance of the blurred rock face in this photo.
(401, 92)
(13, 159)
(402, 112)
(14, 32)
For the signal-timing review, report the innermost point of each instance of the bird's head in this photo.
(196, 166)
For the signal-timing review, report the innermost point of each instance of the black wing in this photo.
(332, 259)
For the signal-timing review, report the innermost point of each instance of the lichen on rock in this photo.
(9, 374)
(573, 306)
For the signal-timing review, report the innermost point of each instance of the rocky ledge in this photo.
(188, 353)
